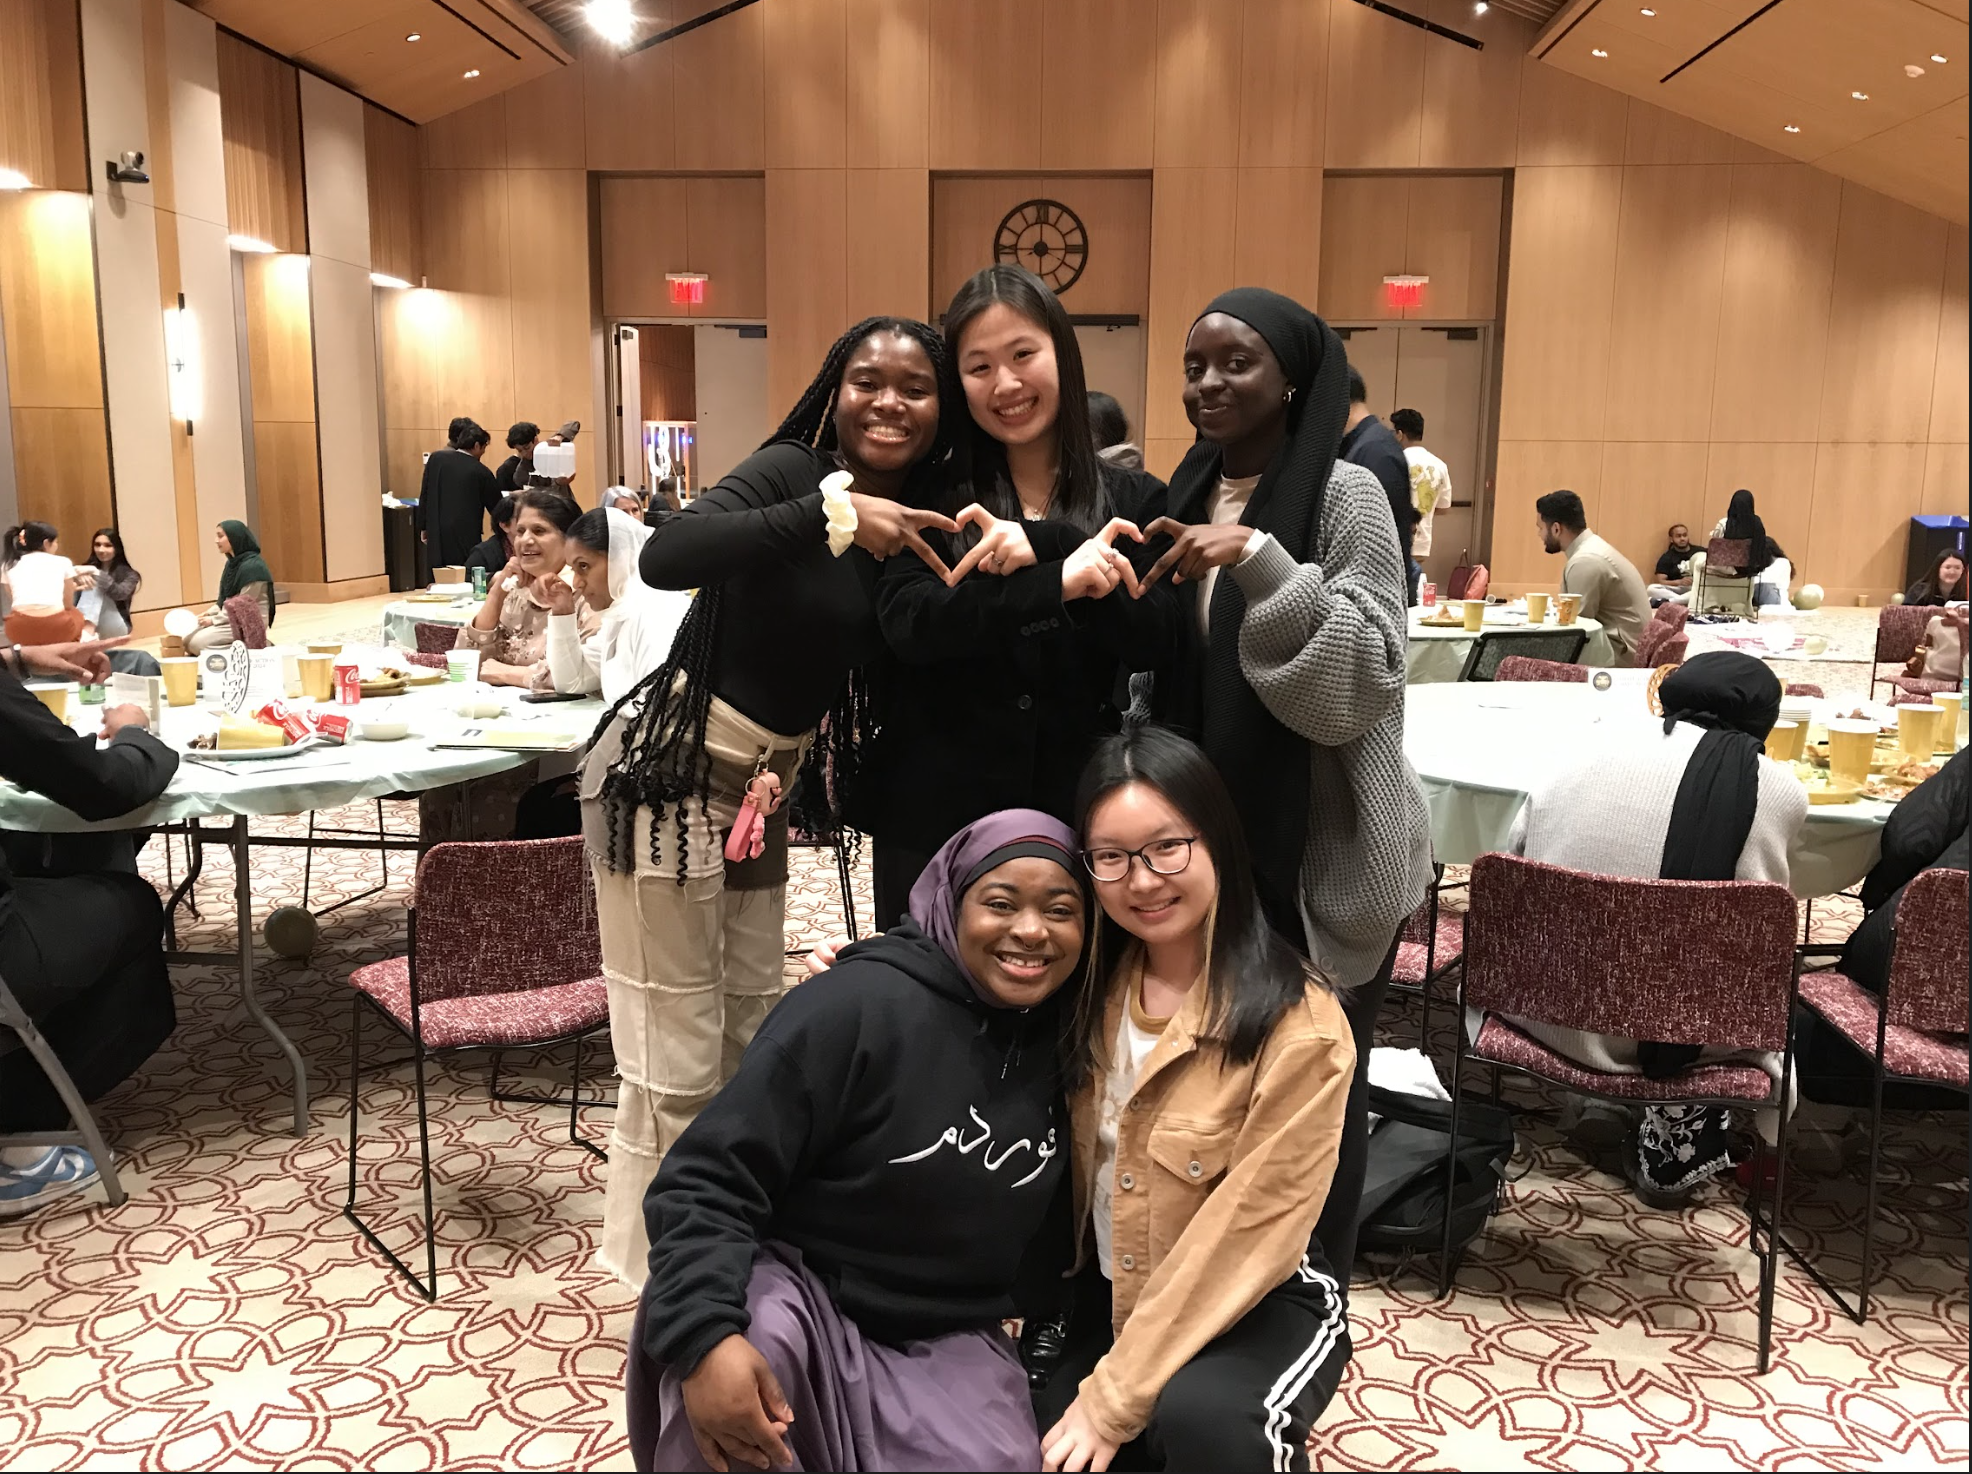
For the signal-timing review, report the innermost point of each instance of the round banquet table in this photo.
(401, 618)
(1479, 747)
(1438, 655)
(321, 778)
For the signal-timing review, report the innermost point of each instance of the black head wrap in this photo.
(1264, 763)
(1743, 524)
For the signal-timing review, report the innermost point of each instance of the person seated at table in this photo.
(511, 629)
(1611, 589)
(107, 584)
(1699, 800)
(1926, 831)
(1945, 584)
(664, 502)
(837, 1238)
(246, 572)
(42, 585)
(82, 953)
(1673, 572)
(493, 553)
(636, 623)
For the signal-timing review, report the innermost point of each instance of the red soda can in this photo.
(1427, 595)
(331, 727)
(349, 685)
(275, 714)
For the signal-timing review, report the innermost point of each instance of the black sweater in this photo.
(996, 690)
(453, 501)
(904, 1136)
(1927, 830)
(793, 618)
(1372, 446)
(50, 758)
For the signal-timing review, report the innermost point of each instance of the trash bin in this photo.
(1930, 535)
(400, 549)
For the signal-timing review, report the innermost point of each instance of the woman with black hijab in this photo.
(1743, 524)
(1293, 668)
(1696, 800)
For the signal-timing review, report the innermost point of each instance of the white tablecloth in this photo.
(1439, 654)
(401, 618)
(325, 777)
(1479, 747)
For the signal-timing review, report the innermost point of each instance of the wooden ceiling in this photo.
(362, 45)
(1754, 67)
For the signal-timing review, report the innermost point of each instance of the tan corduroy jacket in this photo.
(1221, 1172)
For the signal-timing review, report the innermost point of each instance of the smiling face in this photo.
(1235, 389)
(588, 572)
(886, 410)
(538, 543)
(102, 551)
(222, 542)
(1154, 908)
(1012, 381)
(1020, 930)
(1949, 573)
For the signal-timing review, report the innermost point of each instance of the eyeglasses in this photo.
(1160, 857)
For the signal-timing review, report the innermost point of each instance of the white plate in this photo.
(258, 754)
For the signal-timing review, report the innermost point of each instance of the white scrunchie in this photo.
(838, 511)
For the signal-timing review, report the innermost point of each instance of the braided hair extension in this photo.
(662, 762)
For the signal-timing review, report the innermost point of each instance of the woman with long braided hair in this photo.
(758, 679)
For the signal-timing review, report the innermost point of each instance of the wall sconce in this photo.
(249, 244)
(14, 179)
(181, 359)
(382, 279)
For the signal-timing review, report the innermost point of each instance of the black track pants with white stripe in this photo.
(1246, 1401)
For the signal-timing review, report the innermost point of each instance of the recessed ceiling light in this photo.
(471, 74)
(1646, 11)
(1597, 51)
(1913, 70)
(616, 22)
(1790, 128)
(414, 36)
(1937, 58)
(1860, 96)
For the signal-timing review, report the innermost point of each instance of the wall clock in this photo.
(1047, 238)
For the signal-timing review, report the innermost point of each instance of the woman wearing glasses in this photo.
(1206, 1088)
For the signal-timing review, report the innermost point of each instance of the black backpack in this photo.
(1403, 1202)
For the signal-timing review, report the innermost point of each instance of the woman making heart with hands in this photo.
(1006, 671)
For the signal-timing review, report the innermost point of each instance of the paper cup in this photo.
(1786, 741)
(461, 665)
(1917, 730)
(1567, 606)
(1537, 608)
(325, 647)
(55, 698)
(1475, 614)
(181, 679)
(1850, 745)
(318, 676)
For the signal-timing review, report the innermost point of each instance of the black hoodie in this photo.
(901, 1133)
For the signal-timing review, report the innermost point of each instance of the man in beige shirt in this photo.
(1612, 590)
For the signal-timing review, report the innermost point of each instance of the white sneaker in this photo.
(62, 1171)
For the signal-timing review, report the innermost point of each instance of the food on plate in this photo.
(238, 734)
(1822, 791)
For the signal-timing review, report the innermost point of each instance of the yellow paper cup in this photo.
(181, 679)
(1953, 705)
(1475, 614)
(317, 676)
(1917, 730)
(1537, 608)
(55, 698)
(1850, 745)
(1567, 606)
(1784, 741)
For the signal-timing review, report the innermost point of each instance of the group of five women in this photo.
(918, 608)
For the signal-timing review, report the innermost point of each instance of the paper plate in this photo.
(257, 754)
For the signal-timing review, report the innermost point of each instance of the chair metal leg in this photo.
(1451, 1156)
(1861, 1312)
(1770, 1268)
(428, 1287)
(308, 861)
(848, 885)
(575, 1104)
(15, 1017)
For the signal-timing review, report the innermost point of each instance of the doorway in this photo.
(1113, 361)
(1442, 373)
(691, 398)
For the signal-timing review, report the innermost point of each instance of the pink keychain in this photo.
(748, 836)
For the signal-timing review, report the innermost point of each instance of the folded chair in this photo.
(14, 1020)
(1677, 961)
(1720, 582)
(1914, 1033)
(479, 976)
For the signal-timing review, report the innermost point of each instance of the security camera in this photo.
(128, 168)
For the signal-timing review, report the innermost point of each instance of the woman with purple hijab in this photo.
(837, 1239)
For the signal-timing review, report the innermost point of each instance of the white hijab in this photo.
(637, 629)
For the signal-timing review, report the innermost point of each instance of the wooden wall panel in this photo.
(396, 183)
(1200, 70)
(1470, 116)
(667, 372)
(981, 117)
(472, 138)
(1283, 85)
(807, 254)
(544, 125)
(807, 121)
(1950, 391)
(260, 114)
(1525, 471)
(1781, 477)
(281, 372)
(1566, 120)
(466, 230)
(1365, 219)
(714, 224)
(41, 132)
(718, 93)
(1375, 90)
(548, 219)
(62, 468)
(1655, 136)
(1098, 83)
(1946, 472)
(889, 67)
(887, 265)
(48, 301)
(1641, 478)
(1853, 546)
(1277, 233)
(726, 237)
(1773, 338)
(627, 109)
(1670, 269)
(1883, 320)
(967, 210)
(1452, 235)
(1557, 331)
(1192, 259)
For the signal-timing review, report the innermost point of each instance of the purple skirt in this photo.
(955, 1402)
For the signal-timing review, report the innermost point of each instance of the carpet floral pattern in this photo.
(228, 1316)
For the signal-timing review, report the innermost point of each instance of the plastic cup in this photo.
(1475, 615)
(1786, 741)
(1850, 746)
(55, 698)
(1917, 730)
(318, 676)
(181, 679)
(1567, 606)
(325, 647)
(1537, 609)
(461, 665)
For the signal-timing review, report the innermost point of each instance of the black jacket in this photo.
(50, 758)
(454, 499)
(492, 555)
(996, 691)
(1372, 446)
(908, 1139)
(1927, 830)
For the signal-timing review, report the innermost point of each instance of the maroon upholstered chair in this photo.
(1526, 668)
(1923, 688)
(1678, 961)
(1726, 556)
(1661, 643)
(435, 639)
(1672, 614)
(249, 620)
(1430, 947)
(1804, 688)
(1914, 1032)
(478, 976)
(1899, 631)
